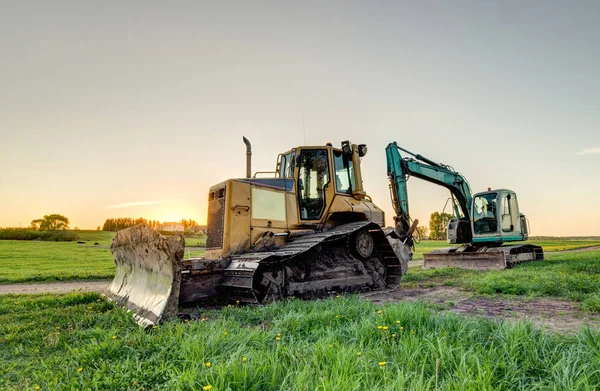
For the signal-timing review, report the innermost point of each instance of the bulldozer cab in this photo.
(496, 217)
(323, 174)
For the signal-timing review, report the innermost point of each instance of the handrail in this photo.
(265, 172)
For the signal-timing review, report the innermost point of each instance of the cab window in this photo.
(344, 173)
(313, 176)
(509, 212)
(286, 165)
(484, 214)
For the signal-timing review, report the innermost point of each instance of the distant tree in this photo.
(188, 223)
(116, 224)
(98, 228)
(422, 231)
(438, 225)
(53, 222)
(35, 224)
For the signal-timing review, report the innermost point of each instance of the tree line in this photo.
(116, 224)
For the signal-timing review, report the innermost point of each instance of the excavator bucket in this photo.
(148, 275)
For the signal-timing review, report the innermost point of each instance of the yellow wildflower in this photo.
(382, 363)
(203, 319)
(279, 334)
(277, 339)
(337, 316)
(397, 322)
(225, 333)
(244, 359)
(331, 346)
(385, 327)
(380, 312)
(208, 364)
(358, 354)
(36, 387)
(80, 369)
(401, 328)
(337, 297)
(207, 388)
(393, 335)
(155, 327)
(237, 302)
(412, 332)
(114, 337)
(379, 327)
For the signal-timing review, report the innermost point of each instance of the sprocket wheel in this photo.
(272, 286)
(362, 244)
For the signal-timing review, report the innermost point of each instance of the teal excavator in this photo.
(482, 223)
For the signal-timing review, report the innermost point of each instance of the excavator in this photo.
(306, 230)
(482, 223)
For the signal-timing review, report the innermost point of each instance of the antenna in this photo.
(303, 128)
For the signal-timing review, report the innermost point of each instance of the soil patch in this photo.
(555, 315)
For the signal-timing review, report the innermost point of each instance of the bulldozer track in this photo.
(247, 270)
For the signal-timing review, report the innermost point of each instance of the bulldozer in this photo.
(306, 229)
(482, 222)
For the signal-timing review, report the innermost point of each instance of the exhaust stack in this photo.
(248, 157)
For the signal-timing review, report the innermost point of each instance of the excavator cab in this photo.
(496, 217)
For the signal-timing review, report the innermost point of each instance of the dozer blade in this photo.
(471, 261)
(148, 275)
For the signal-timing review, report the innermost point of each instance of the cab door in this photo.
(313, 182)
(509, 221)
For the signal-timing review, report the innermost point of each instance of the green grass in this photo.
(103, 238)
(26, 261)
(548, 244)
(32, 261)
(79, 341)
(574, 276)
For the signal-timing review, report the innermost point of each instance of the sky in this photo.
(129, 109)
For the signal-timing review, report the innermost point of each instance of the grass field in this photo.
(27, 261)
(574, 276)
(548, 244)
(79, 341)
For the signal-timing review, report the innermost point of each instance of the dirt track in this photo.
(55, 287)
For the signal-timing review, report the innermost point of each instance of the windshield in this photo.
(484, 214)
(344, 173)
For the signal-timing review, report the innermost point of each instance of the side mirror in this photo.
(362, 150)
(346, 148)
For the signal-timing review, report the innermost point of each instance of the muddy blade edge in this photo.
(148, 273)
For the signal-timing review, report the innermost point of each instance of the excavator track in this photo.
(313, 265)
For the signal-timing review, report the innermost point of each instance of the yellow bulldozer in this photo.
(306, 230)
